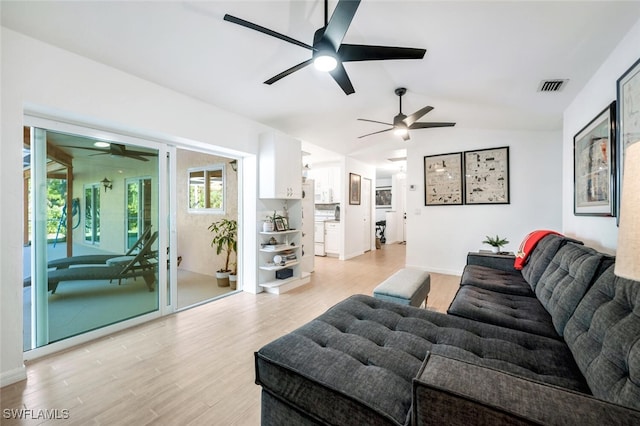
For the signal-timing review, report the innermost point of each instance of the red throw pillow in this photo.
(527, 246)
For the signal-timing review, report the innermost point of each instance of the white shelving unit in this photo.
(288, 242)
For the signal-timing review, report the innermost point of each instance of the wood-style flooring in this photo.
(195, 367)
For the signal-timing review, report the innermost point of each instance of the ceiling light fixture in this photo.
(101, 144)
(325, 61)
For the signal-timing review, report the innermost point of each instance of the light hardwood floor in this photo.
(195, 367)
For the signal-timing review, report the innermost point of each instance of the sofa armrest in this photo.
(503, 262)
(450, 391)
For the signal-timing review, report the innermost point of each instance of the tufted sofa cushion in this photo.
(566, 280)
(540, 258)
(510, 282)
(355, 363)
(506, 310)
(604, 336)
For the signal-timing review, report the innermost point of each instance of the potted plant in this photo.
(496, 243)
(225, 234)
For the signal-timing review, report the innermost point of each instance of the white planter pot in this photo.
(233, 281)
(267, 226)
(223, 279)
(495, 249)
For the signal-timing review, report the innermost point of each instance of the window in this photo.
(206, 189)
(92, 213)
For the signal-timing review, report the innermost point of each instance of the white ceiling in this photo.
(482, 68)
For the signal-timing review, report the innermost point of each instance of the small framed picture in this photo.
(285, 222)
(594, 166)
(354, 188)
(279, 224)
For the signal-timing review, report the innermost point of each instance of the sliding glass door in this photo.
(92, 236)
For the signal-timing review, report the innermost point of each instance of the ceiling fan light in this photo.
(100, 144)
(325, 62)
(400, 131)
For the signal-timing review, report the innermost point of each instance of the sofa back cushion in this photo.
(604, 336)
(540, 258)
(566, 280)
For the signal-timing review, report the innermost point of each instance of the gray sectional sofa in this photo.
(555, 343)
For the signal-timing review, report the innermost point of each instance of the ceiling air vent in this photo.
(552, 85)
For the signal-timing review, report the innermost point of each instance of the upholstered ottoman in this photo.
(406, 287)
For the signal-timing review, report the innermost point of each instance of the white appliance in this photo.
(319, 238)
(322, 214)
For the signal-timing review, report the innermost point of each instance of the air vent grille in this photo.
(397, 159)
(552, 85)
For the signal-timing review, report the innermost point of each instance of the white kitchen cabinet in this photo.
(280, 167)
(332, 235)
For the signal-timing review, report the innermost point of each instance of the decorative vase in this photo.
(223, 279)
(267, 226)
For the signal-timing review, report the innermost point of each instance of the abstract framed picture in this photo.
(487, 176)
(383, 197)
(443, 179)
(594, 166)
(354, 188)
(628, 119)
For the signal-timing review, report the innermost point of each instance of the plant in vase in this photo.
(495, 243)
(225, 235)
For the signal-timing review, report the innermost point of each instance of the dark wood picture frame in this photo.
(594, 166)
(278, 223)
(443, 179)
(355, 185)
(627, 129)
(486, 174)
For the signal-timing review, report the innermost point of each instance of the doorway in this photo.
(81, 271)
(206, 192)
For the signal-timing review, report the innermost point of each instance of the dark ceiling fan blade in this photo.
(430, 125)
(264, 30)
(136, 157)
(374, 121)
(375, 133)
(340, 21)
(129, 153)
(105, 151)
(339, 74)
(289, 71)
(361, 52)
(417, 115)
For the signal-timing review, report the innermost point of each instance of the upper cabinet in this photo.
(280, 167)
(328, 184)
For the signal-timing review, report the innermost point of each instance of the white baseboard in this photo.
(13, 376)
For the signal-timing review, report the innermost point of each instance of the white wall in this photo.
(598, 232)
(43, 78)
(352, 216)
(439, 237)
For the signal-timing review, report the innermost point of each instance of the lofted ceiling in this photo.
(484, 60)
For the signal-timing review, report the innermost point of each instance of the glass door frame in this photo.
(165, 306)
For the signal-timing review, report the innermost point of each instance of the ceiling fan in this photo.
(328, 51)
(117, 150)
(402, 123)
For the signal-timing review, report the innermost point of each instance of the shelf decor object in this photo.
(628, 128)
(443, 179)
(594, 166)
(487, 176)
(354, 188)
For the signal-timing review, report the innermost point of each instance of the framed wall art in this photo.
(487, 176)
(383, 197)
(628, 118)
(594, 166)
(354, 188)
(443, 179)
